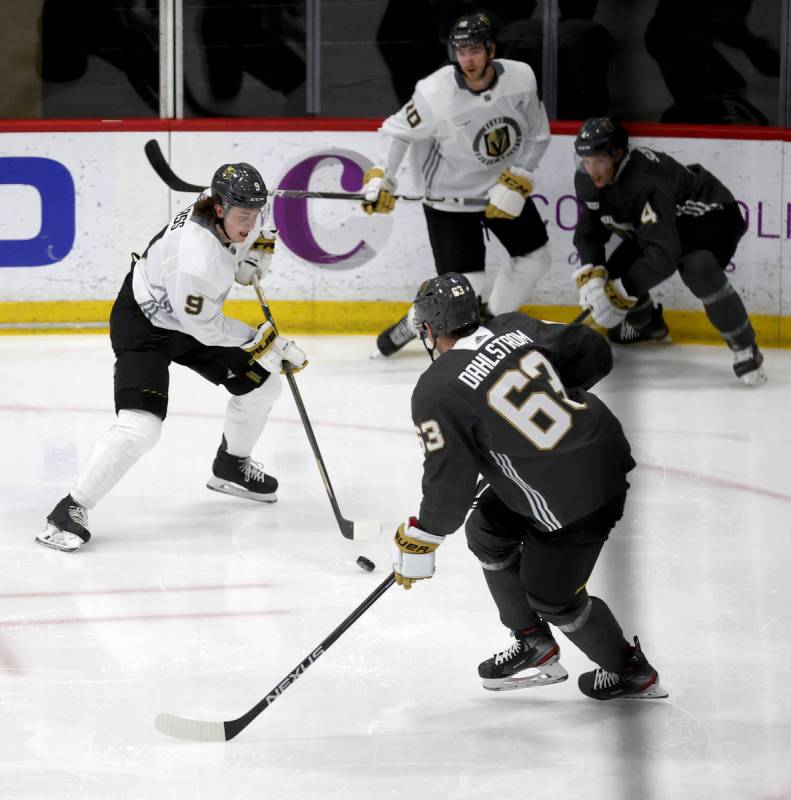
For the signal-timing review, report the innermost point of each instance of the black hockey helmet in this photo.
(476, 28)
(601, 135)
(448, 302)
(239, 185)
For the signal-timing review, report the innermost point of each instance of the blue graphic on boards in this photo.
(55, 186)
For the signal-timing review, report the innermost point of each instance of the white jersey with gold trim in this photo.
(182, 280)
(461, 141)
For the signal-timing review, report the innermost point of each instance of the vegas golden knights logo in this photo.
(498, 142)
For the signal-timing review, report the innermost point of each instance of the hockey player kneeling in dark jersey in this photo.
(169, 310)
(509, 400)
(671, 217)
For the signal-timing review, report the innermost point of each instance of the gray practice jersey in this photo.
(461, 141)
(510, 402)
(182, 280)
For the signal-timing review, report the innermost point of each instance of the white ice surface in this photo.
(198, 604)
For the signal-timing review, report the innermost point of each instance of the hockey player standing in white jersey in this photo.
(474, 129)
(169, 309)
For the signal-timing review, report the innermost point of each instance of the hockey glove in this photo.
(377, 189)
(507, 197)
(607, 300)
(283, 349)
(260, 344)
(258, 258)
(413, 553)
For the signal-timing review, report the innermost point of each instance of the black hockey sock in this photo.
(601, 638)
(510, 597)
(640, 314)
(727, 314)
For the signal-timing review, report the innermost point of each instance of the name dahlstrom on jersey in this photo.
(498, 348)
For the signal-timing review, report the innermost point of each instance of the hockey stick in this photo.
(581, 317)
(203, 731)
(165, 172)
(367, 529)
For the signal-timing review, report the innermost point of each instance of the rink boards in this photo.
(76, 202)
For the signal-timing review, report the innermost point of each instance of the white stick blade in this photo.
(191, 729)
(367, 529)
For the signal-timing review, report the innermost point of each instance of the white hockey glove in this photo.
(283, 349)
(258, 258)
(607, 300)
(260, 344)
(508, 195)
(413, 553)
(378, 188)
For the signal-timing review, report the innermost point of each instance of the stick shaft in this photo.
(346, 526)
(158, 161)
(235, 726)
(581, 317)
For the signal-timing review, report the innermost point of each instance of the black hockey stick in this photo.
(581, 317)
(165, 172)
(367, 529)
(202, 731)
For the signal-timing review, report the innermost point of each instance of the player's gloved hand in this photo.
(413, 553)
(508, 195)
(378, 188)
(281, 350)
(258, 257)
(260, 344)
(607, 300)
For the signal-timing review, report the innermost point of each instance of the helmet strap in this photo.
(424, 338)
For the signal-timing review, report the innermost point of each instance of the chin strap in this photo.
(423, 337)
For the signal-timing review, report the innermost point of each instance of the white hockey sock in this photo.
(113, 453)
(514, 282)
(246, 415)
(481, 283)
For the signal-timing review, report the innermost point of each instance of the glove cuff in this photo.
(589, 276)
(418, 535)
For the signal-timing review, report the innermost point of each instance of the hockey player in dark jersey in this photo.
(671, 217)
(509, 400)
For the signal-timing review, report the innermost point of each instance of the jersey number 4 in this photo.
(543, 418)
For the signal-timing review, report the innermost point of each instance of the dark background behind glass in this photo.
(698, 61)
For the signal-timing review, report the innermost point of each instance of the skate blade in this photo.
(226, 487)
(551, 672)
(654, 692)
(755, 378)
(68, 546)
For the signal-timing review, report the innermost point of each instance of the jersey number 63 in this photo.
(542, 417)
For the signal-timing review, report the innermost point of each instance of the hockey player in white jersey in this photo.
(169, 310)
(474, 129)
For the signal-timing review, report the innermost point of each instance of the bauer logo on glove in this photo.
(413, 553)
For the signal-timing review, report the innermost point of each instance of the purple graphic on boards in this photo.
(293, 221)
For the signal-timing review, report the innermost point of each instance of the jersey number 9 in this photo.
(194, 304)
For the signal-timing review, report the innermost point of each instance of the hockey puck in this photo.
(366, 564)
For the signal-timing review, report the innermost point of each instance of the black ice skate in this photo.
(532, 660)
(395, 337)
(747, 365)
(67, 526)
(630, 331)
(241, 477)
(638, 680)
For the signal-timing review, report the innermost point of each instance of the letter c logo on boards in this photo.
(330, 234)
(54, 205)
